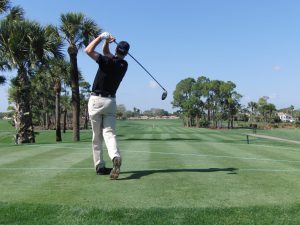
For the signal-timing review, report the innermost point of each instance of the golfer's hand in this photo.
(111, 39)
(105, 36)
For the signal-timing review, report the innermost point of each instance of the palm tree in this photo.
(4, 6)
(15, 13)
(55, 72)
(253, 106)
(77, 31)
(24, 45)
(292, 110)
(85, 94)
(59, 72)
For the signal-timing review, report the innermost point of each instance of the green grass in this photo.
(170, 175)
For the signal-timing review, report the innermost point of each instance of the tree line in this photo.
(45, 61)
(203, 101)
(208, 103)
(36, 52)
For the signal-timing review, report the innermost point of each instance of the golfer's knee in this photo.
(108, 131)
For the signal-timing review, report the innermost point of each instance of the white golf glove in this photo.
(105, 35)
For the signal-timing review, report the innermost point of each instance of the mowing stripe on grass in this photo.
(62, 145)
(186, 154)
(145, 169)
(46, 168)
(217, 156)
(269, 170)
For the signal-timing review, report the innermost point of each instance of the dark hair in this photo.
(123, 48)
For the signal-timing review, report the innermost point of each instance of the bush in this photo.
(204, 123)
(253, 125)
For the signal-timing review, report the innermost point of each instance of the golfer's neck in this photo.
(119, 56)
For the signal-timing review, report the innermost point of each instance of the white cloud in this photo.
(153, 84)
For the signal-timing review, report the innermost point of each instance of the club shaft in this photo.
(144, 69)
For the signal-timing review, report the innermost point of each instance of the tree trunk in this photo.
(57, 89)
(72, 50)
(44, 113)
(65, 121)
(197, 121)
(86, 118)
(47, 121)
(24, 125)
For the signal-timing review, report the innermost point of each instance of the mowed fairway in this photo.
(170, 175)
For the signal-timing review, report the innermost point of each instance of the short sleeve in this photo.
(102, 60)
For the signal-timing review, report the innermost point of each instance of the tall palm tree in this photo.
(24, 45)
(77, 31)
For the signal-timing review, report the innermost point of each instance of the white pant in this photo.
(102, 112)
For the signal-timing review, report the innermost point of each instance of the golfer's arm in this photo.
(90, 49)
(105, 49)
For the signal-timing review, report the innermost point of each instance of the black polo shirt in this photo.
(109, 75)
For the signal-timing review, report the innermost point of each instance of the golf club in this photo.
(165, 93)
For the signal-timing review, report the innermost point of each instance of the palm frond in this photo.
(4, 6)
(4, 66)
(71, 25)
(54, 42)
(27, 43)
(77, 29)
(90, 30)
(2, 80)
(16, 13)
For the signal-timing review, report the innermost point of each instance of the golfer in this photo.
(102, 103)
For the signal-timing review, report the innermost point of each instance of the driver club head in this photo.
(164, 95)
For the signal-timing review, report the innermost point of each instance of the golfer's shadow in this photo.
(141, 173)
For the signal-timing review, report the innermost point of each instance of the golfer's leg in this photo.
(97, 140)
(109, 135)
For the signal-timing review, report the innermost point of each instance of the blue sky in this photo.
(253, 43)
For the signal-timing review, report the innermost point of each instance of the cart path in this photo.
(273, 138)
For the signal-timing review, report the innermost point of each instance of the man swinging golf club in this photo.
(102, 103)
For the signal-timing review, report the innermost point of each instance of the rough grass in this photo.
(35, 214)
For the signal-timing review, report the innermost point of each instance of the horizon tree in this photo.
(253, 106)
(182, 98)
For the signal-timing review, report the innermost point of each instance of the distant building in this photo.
(284, 117)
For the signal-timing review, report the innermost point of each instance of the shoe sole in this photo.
(104, 172)
(114, 173)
